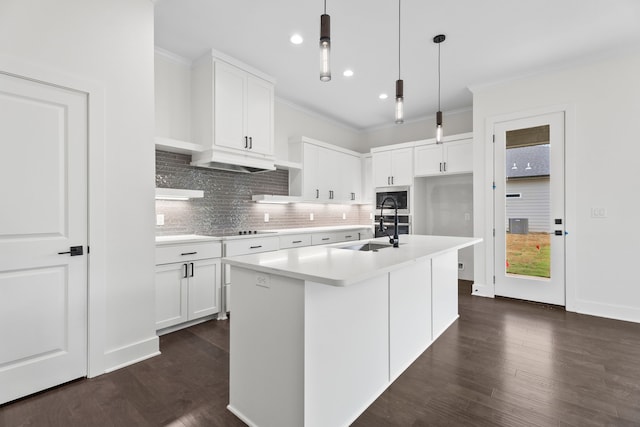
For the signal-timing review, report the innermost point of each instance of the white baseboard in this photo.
(610, 311)
(482, 290)
(132, 353)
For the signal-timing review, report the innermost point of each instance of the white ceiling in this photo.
(487, 41)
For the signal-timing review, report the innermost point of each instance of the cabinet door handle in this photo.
(188, 253)
(392, 180)
(440, 166)
(250, 143)
(388, 180)
(255, 247)
(296, 241)
(317, 193)
(348, 237)
(191, 270)
(353, 196)
(246, 142)
(186, 273)
(445, 166)
(326, 238)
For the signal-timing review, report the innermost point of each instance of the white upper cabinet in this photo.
(330, 174)
(450, 157)
(392, 167)
(172, 96)
(232, 108)
(367, 179)
(243, 110)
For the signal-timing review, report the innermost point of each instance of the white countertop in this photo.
(332, 265)
(184, 238)
(320, 229)
(195, 238)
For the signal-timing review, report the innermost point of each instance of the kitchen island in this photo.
(318, 333)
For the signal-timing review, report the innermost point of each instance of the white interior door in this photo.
(529, 209)
(43, 187)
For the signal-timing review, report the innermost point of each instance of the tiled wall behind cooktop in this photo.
(227, 206)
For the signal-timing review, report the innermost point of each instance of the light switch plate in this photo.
(598, 212)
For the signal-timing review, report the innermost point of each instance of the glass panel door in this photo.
(529, 208)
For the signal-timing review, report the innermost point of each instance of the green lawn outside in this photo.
(529, 254)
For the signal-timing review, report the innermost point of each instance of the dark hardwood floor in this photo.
(503, 363)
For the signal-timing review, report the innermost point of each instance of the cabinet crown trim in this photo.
(216, 55)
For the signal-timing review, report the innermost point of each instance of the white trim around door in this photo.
(96, 296)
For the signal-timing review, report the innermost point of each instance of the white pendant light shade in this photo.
(325, 47)
(439, 127)
(399, 102)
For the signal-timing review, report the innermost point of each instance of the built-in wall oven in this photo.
(401, 196)
(404, 225)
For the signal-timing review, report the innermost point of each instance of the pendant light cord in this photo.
(438, 76)
(325, 7)
(399, 39)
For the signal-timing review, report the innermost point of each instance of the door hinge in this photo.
(494, 232)
(494, 280)
(493, 186)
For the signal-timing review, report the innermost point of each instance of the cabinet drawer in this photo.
(324, 238)
(251, 246)
(347, 236)
(295, 240)
(166, 254)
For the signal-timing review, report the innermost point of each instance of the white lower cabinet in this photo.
(187, 286)
(243, 247)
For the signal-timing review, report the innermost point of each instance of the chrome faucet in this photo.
(395, 241)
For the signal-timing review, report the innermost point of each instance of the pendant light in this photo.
(325, 45)
(439, 39)
(399, 82)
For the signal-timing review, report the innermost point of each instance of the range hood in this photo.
(215, 159)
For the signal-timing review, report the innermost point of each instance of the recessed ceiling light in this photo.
(348, 73)
(296, 39)
(383, 96)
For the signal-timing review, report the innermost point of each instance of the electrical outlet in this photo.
(460, 266)
(160, 219)
(310, 217)
(266, 217)
(598, 212)
(263, 280)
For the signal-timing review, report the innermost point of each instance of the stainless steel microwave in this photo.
(400, 194)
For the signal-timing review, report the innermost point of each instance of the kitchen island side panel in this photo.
(266, 371)
(409, 315)
(444, 291)
(346, 349)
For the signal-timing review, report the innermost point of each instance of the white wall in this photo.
(291, 120)
(602, 99)
(443, 206)
(109, 42)
(454, 123)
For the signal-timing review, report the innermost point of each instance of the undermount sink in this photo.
(367, 247)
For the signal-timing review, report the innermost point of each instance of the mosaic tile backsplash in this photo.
(227, 206)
